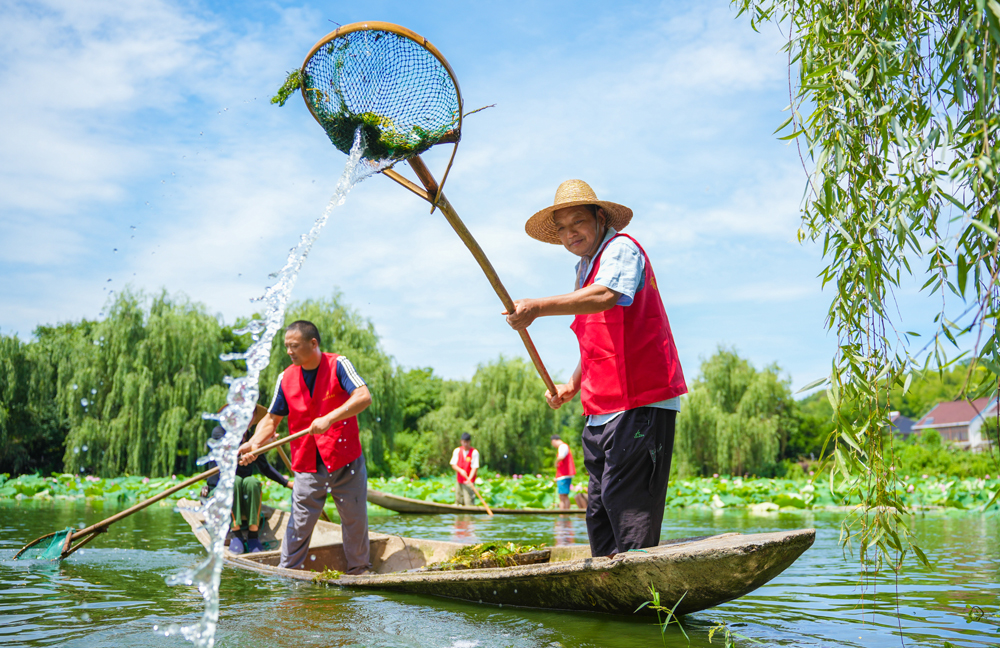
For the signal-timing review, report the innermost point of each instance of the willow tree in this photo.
(735, 419)
(894, 105)
(133, 386)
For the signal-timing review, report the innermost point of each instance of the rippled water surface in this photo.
(112, 592)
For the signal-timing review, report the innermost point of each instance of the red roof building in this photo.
(960, 421)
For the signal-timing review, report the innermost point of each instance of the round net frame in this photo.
(390, 82)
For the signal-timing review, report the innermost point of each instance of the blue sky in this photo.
(140, 148)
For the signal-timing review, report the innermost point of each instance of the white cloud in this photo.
(155, 115)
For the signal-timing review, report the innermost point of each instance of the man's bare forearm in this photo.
(265, 430)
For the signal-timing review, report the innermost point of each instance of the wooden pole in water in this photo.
(86, 535)
(481, 499)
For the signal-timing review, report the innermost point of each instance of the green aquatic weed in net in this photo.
(398, 92)
(292, 83)
(49, 549)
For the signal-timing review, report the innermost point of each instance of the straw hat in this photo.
(570, 194)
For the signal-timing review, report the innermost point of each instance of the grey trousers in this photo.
(464, 496)
(349, 488)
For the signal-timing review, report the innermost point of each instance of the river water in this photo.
(113, 592)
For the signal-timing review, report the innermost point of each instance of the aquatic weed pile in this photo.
(486, 554)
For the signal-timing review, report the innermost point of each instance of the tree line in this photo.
(125, 395)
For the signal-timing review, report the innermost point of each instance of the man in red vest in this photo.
(465, 463)
(565, 470)
(629, 375)
(323, 393)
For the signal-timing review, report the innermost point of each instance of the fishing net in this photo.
(48, 549)
(386, 80)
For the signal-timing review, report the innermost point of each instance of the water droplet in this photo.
(494, 592)
(132, 227)
(75, 387)
(76, 450)
(115, 250)
(505, 456)
(84, 402)
(378, 419)
(312, 557)
(352, 472)
(84, 448)
(93, 391)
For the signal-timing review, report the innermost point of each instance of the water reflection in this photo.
(565, 531)
(111, 593)
(464, 529)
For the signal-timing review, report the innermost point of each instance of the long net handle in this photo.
(477, 252)
(481, 499)
(173, 489)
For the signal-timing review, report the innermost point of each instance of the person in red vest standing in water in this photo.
(629, 375)
(323, 393)
(565, 470)
(465, 463)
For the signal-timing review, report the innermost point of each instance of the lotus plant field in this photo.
(534, 491)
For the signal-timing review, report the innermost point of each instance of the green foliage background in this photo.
(125, 395)
(895, 108)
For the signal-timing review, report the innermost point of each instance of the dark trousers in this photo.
(629, 464)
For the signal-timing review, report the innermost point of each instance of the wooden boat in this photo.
(706, 571)
(409, 505)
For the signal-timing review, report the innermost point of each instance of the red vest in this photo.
(627, 354)
(565, 466)
(338, 446)
(464, 462)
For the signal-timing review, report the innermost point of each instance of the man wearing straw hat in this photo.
(323, 393)
(629, 376)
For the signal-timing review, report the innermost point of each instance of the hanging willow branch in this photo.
(897, 108)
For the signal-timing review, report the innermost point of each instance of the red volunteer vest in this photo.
(338, 446)
(627, 354)
(565, 466)
(465, 463)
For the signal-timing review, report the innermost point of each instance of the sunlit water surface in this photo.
(113, 592)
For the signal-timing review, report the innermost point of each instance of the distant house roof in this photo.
(953, 413)
(901, 424)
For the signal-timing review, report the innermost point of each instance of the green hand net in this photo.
(50, 549)
(401, 94)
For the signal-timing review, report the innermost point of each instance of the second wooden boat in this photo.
(409, 505)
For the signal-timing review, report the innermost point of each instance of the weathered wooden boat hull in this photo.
(422, 507)
(705, 571)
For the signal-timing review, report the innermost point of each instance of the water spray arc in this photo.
(242, 397)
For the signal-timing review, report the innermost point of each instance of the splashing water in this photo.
(236, 416)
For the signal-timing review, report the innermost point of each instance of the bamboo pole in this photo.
(481, 498)
(432, 189)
